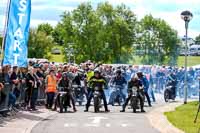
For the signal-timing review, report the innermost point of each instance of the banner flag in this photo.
(16, 38)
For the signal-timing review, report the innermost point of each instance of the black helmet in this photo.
(139, 74)
(64, 75)
(118, 71)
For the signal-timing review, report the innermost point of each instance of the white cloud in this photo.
(2, 23)
(127, 2)
(179, 2)
(172, 18)
(36, 22)
(53, 7)
(3, 1)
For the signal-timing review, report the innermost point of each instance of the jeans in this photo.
(116, 93)
(148, 98)
(34, 97)
(50, 99)
(152, 94)
(12, 99)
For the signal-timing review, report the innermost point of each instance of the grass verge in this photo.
(183, 117)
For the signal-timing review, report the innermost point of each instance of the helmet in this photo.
(64, 75)
(96, 71)
(68, 75)
(118, 71)
(139, 74)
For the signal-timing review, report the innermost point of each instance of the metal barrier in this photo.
(4, 101)
(9, 88)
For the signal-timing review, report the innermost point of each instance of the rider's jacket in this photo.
(89, 75)
(64, 83)
(118, 80)
(172, 80)
(97, 82)
(136, 83)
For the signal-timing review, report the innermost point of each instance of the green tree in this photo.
(46, 28)
(39, 44)
(158, 41)
(111, 34)
(197, 39)
(58, 35)
(1, 40)
(119, 30)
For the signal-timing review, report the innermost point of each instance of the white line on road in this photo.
(97, 120)
(124, 125)
(91, 125)
(70, 125)
(66, 125)
(108, 125)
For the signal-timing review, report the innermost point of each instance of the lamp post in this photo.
(186, 16)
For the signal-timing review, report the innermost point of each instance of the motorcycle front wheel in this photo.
(96, 104)
(134, 104)
(166, 96)
(61, 104)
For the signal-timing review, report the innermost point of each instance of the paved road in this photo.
(113, 122)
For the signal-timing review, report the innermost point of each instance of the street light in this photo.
(186, 16)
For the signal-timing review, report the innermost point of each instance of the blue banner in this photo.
(16, 39)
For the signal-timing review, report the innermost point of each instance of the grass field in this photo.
(192, 60)
(183, 117)
(57, 58)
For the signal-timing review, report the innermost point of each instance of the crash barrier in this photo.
(19, 92)
(4, 97)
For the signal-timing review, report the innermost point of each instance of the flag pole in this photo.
(5, 30)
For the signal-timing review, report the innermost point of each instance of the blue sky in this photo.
(49, 11)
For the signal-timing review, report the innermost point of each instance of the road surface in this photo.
(89, 122)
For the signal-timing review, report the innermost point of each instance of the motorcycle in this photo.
(168, 93)
(134, 99)
(62, 99)
(78, 94)
(97, 99)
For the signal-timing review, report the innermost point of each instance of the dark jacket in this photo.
(64, 83)
(32, 78)
(136, 83)
(118, 80)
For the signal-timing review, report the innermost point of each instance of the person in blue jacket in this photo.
(145, 83)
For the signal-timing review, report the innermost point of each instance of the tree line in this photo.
(109, 34)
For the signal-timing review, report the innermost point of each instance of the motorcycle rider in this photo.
(118, 80)
(145, 83)
(134, 82)
(172, 81)
(96, 80)
(79, 80)
(65, 84)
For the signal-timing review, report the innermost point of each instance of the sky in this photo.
(49, 11)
